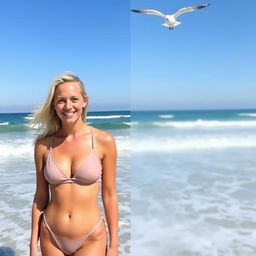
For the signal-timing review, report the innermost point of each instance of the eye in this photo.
(60, 101)
(75, 99)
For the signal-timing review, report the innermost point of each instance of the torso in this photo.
(73, 208)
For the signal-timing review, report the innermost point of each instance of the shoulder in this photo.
(106, 139)
(106, 142)
(42, 145)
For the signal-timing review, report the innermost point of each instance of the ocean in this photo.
(186, 181)
(193, 183)
(17, 182)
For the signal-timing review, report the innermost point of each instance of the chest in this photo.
(70, 156)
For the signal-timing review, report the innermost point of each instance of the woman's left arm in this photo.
(109, 194)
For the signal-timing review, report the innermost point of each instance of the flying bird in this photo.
(170, 19)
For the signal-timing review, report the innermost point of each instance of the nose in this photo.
(68, 104)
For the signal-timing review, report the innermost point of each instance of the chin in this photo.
(71, 119)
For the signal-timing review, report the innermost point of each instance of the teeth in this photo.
(68, 114)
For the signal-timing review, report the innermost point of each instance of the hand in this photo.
(112, 251)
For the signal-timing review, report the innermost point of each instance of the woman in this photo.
(72, 159)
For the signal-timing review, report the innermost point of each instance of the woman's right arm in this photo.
(41, 197)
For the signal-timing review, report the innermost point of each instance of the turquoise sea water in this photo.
(17, 182)
(193, 183)
(192, 178)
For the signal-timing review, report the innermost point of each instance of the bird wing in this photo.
(149, 11)
(189, 9)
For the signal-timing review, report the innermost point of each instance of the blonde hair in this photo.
(45, 118)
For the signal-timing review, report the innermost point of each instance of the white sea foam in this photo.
(194, 204)
(205, 124)
(17, 187)
(4, 123)
(123, 143)
(188, 237)
(193, 142)
(127, 123)
(16, 147)
(24, 147)
(247, 114)
(108, 117)
(166, 116)
(28, 117)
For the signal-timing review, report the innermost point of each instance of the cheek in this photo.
(57, 109)
(57, 112)
(79, 106)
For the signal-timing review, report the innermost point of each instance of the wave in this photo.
(28, 117)
(27, 127)
(111, 126)
(13, 128)
(23, 147)
(16, 147)
(166, 116)
(108, 117)
(4, 123)
(247, 114)
(205, 123)
(168, 144)
(104, 126)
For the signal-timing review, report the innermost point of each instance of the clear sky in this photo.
(43, 38)
(129, 59)
(209, 61)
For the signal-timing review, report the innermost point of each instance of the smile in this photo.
(68, 114)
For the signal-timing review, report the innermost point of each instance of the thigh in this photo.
(95, 244)
(92, 249)
(47, 244)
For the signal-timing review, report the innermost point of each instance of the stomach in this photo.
(73, 209)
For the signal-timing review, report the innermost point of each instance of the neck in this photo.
(72, 130)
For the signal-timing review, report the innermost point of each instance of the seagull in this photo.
(170, 20)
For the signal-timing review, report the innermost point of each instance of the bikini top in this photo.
(88, 172)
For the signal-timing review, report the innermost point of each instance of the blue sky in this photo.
(41, 39)
(206, 62)
(129, 59)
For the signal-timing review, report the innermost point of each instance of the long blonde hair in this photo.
(45, 118)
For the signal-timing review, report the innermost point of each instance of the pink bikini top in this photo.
(89, 171)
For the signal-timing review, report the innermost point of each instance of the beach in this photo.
(17, 183)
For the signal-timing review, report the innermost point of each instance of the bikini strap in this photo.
(95, 227)
(53, 235)
(92, 139)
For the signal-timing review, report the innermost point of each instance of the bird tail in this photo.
(174, 25)
(166, 25)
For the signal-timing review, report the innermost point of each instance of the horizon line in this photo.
(134, 110)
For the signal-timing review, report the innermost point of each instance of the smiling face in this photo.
(69, 102)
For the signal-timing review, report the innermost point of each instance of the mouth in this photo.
(68, 114)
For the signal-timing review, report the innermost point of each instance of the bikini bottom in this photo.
(69, 246)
